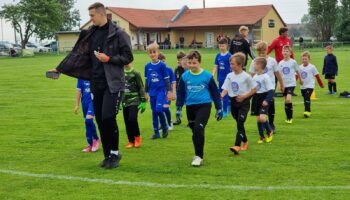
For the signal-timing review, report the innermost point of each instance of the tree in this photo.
(343, 28)
(40, 17)
(71, 15)
(311, 26)
(324, 14)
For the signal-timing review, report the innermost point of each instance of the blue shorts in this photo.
(157, 102)
(88, 109)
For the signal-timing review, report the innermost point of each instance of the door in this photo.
(209, 36)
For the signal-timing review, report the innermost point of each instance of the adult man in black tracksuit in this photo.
(99, 56)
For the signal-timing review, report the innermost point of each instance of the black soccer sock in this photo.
(267, 126)
(330, 85)
(286, 109)
(334, 86)
(289, 110)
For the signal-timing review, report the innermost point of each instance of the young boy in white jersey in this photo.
(240, 87)
(262, 98)
(288, 67)
(308, 73)
(273, 72)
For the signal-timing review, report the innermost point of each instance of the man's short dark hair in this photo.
(195, 55)
(98, 6)
(283, 30)
(223, 41)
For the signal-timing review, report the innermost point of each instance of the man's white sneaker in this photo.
(197, 161)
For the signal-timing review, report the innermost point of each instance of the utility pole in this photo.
(203, 3)
(2, 31)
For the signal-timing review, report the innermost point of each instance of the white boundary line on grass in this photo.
(160, 185)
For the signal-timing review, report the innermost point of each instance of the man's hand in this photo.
(142, 107)
(76, 108)
(219, 115)
(52, 73)
(240, 98)
(102, 57)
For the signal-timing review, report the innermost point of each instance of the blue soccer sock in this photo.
(90, 131)
(155, 122)
(168, 115)
(261, 129)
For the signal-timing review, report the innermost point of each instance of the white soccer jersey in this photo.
(288, 70)
(263, 83)
(270, 69)
(308, 74)
(238, 84)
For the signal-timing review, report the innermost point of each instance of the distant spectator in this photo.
(301, 43)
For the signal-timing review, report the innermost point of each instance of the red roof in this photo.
(223, 16)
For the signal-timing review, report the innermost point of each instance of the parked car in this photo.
(6, 49)
(38, 48)
(52, 45)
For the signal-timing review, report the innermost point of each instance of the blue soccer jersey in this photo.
(171, 75)
(222, 62)
(198, 89)
(84, 87)
(155, 75)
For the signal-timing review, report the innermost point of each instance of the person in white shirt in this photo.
(273, 72)
(308, 72)
(240, 87)
(262, 98)
(288, 67)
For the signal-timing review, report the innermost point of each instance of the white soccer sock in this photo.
(115, 152)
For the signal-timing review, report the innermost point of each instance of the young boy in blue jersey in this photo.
(330, 69)
(240, 87)
(173, 92)
(262, 99)
(222, 68)
(158, 89)
(84, 95)
(197, 89)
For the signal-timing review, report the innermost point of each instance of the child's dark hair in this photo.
(261, 61)
(161, 56)
(180, 55)
(194, 55)
(283, 30)
(223, 41)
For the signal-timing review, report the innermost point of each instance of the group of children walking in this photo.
(237, 92)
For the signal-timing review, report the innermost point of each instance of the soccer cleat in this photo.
(273, 128)
(129, 145)
(165, 132)
(95, 145)
(113, 161)
(289, 121)
(104, 163)
(171, 126)
(307, 114)
(155, 136)
(138, 141)
(225, 114)
(269, 137)
(334, 92)
(244, 146)
(197, 161)
(235, 149)
(178, 122)
(87, 149)
(261, 140)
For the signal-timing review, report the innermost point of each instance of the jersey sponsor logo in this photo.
(222, 65)
(235, 87)
(303, 74)
(286, 70)
(154, 77)
(195, 88)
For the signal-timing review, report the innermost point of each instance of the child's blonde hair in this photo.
(261, 61)
(239, 58)
(261, 47)
(330, 47)
(287, 47)
(243, 28)
(307, 54)
(153, 47)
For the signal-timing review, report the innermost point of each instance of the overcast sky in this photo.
(290, 10)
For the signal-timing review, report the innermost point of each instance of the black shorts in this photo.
(288, 90)
(329, 76)
(257, 107)
(239, 110)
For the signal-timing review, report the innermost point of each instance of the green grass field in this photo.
(41, 141)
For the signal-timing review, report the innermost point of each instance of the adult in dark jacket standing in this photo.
(99, 56)
(240, 44)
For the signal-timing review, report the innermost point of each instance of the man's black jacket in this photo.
(78, 63)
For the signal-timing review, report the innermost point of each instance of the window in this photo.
(271, 23)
